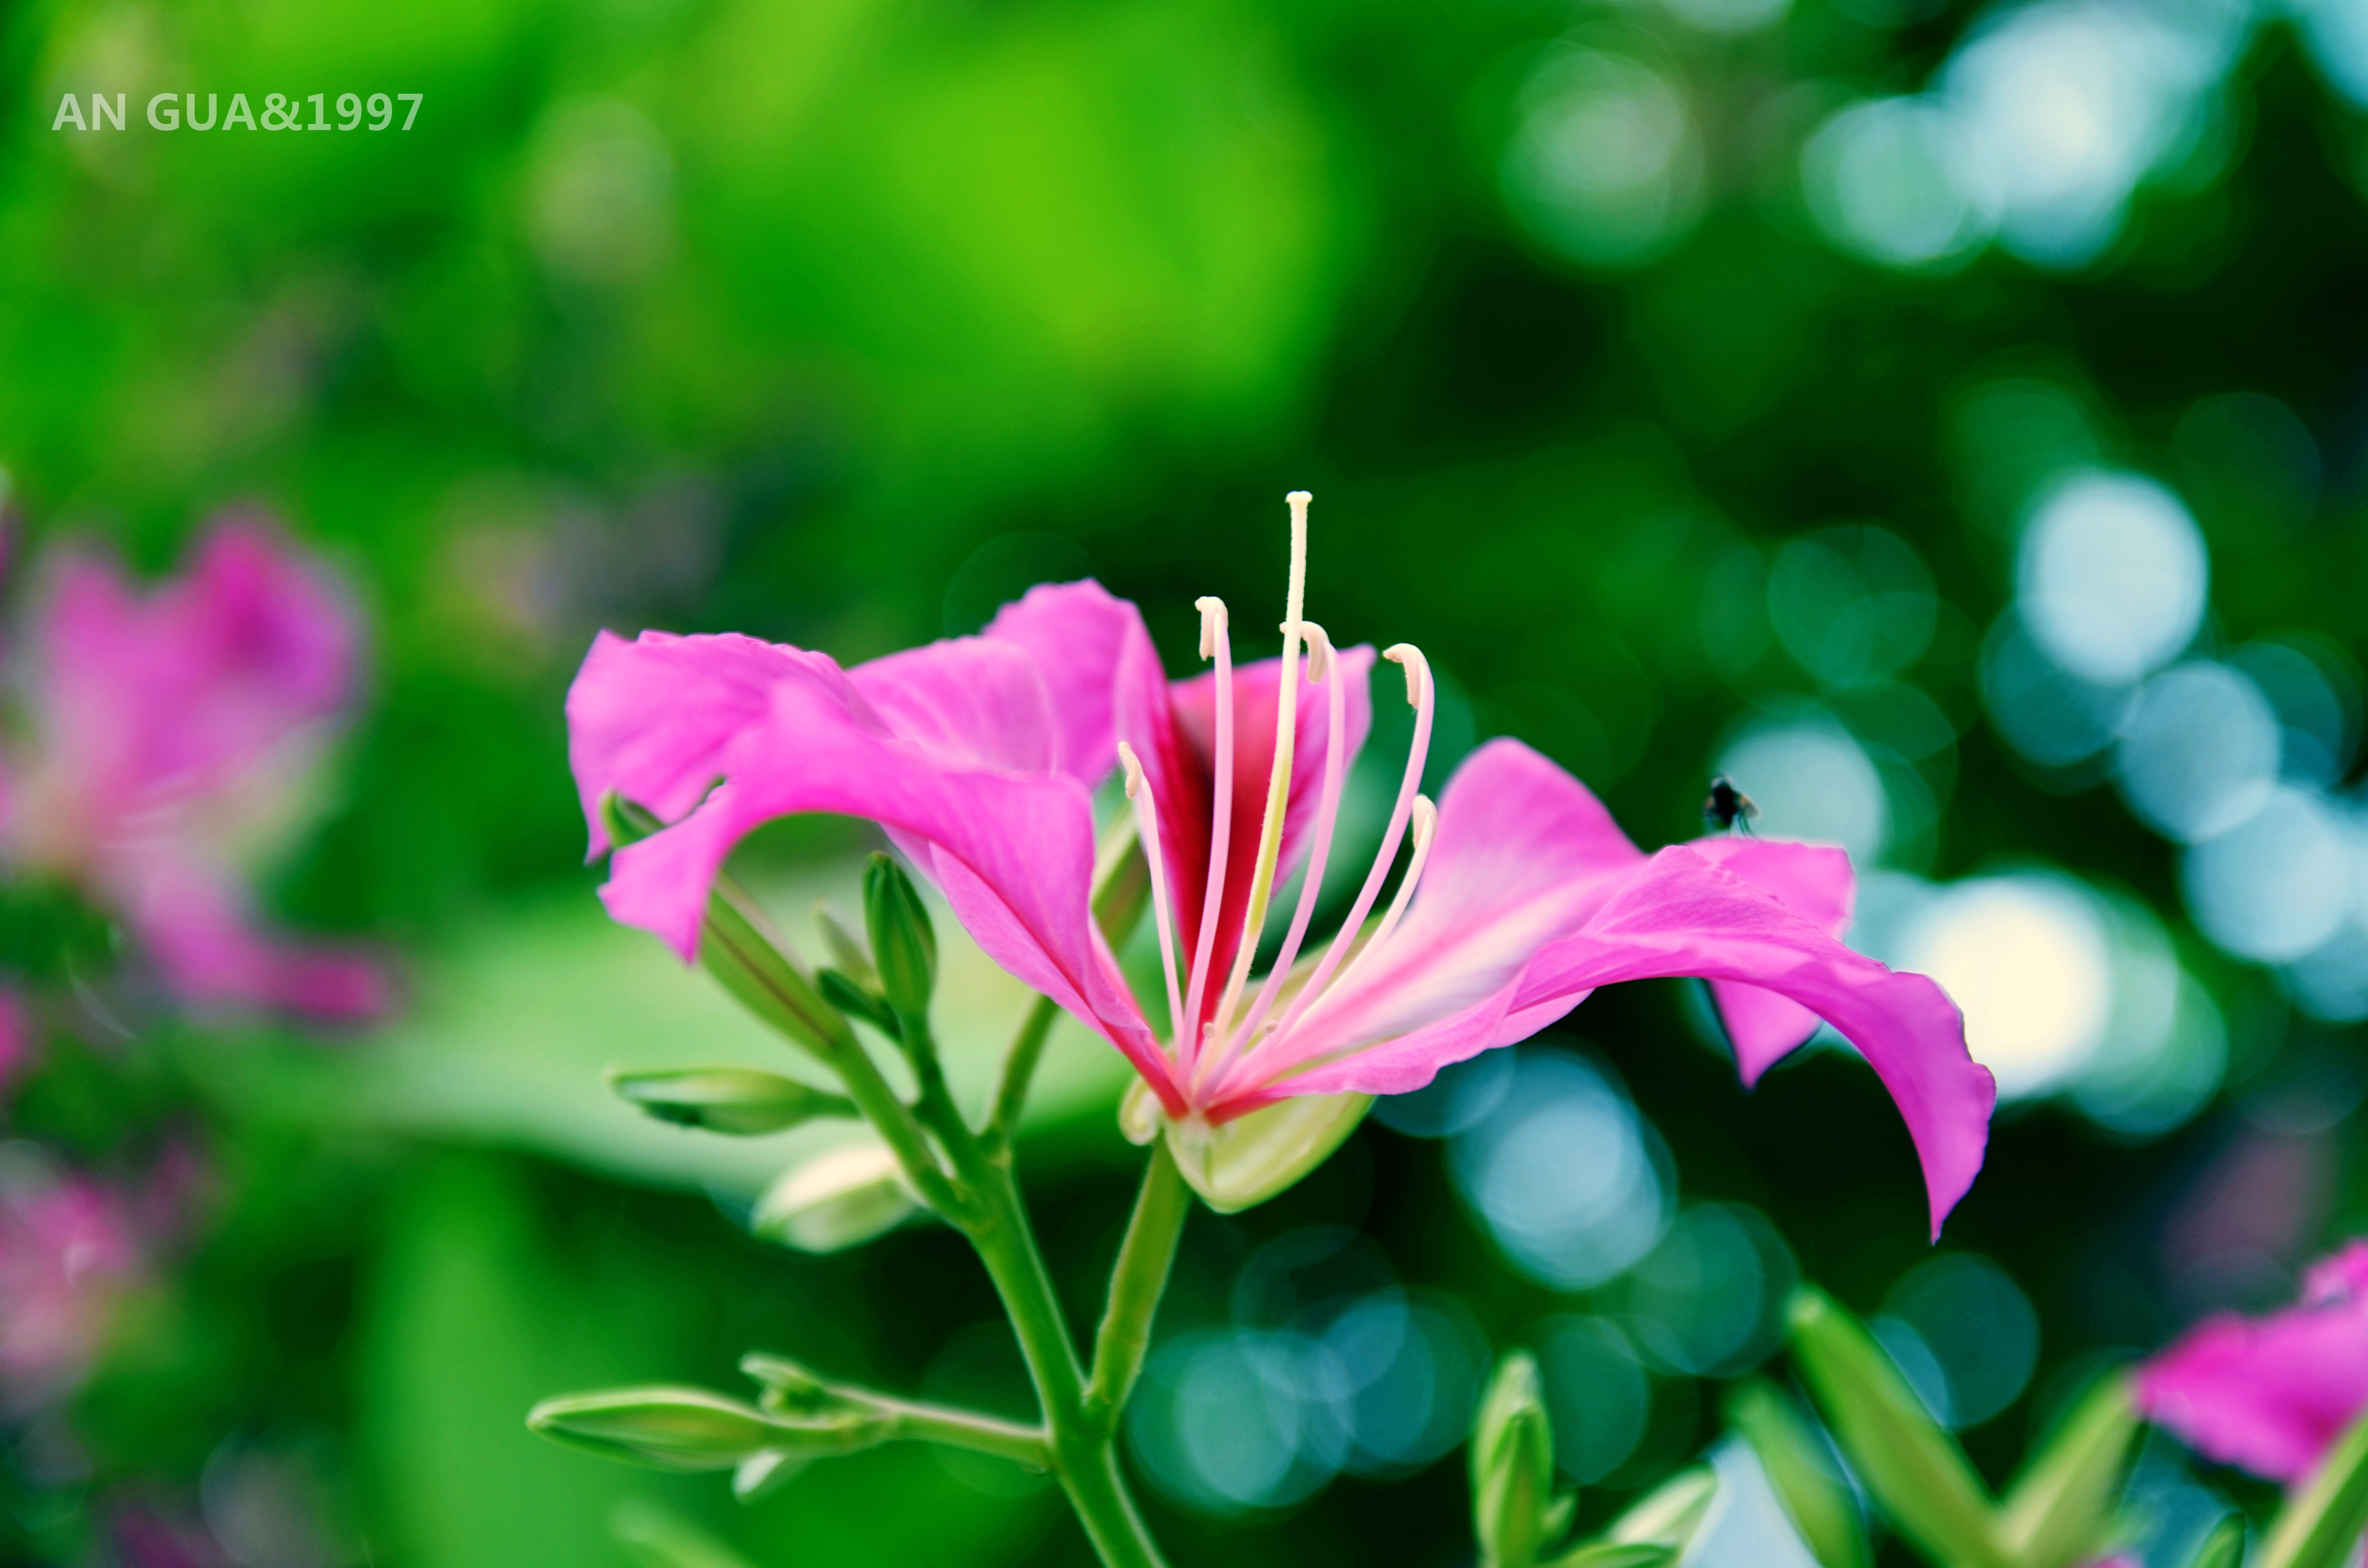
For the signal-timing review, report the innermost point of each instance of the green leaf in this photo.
(1614, 1555)
(1794, 1455)
(2060, 1510)
(2319, 1528)
(741, 1101)
(2224, 1547)
(1915, 1470)
(1513, 1466)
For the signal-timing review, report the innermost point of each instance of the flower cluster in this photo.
(1520, 895)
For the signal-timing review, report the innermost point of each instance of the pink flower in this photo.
(1521, 894)
(66, 1249)
(174, 725)
(2270, 1395)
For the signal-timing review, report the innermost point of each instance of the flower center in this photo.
(1237, 1052)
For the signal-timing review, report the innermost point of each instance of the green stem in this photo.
(937, 1107)
(1136, 1285)
(1019, 1070)
(964, 1429)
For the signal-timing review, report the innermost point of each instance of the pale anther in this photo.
(1319, 649)
(1418, 669)
(1213, 624)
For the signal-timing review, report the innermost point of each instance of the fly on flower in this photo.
(1518, 894)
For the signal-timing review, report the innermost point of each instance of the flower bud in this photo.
(904, 942)
(840, 1199)
(738, 1100)
(671, 1428)
(846, 948)
(854, 998)
(1250, 1158)
(1514, 1512)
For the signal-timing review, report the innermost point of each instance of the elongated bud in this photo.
(835, 1200)
(738, 1100)
(2321, 1523)
(740, 949)
(1514, 1512)
(904, 942)
(1252, 1157)
(846, 950)
(1802, 1473)
(670, 1428)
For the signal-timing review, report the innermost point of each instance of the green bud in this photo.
(669, 1428)
(1514, 1512)
(1914, 1471)
(2320, 1525)
(1802, 1473)
(904, 942)
(738, 1100)
(1250, 1158)
(846, 950)
(834, 1200)
(1667, 1516)
(2060, 1510)
(741, 950)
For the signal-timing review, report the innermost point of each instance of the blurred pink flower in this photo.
(2270, 1395)
(67, 1249)
(172, 731)
(1520, 895)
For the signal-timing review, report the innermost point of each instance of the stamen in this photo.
(1278, 789)
(1272, 1067)
(1214, 643)
(1323, 664)
(1147, 821)
(1422, 695)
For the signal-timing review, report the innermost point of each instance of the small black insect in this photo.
(1729, 810)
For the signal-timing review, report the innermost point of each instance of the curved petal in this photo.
(1813, 880)
(1085, 640)
(1525, 853)
(1014, 851)
(651, 718)
(1681, 916)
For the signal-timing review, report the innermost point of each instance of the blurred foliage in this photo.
(840, 321)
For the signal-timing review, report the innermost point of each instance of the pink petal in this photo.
(1525, 853)
(194, 921)
(1539, 899)
(651, 718)
(1814, 882)
(1013, 849)
(2271, 1395)
(1082, 637)
(2342, 1276)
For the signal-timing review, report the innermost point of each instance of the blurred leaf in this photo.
(2223, 1547)
(1915, 1470)
(657, 1538)
(1794, 1455)
(2320, 1525)
(2060, 1510)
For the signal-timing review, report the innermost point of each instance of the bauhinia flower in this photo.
(2270, 1395)
(1519, 894)
(170, 732)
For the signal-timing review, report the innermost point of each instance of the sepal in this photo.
(1252, 1157)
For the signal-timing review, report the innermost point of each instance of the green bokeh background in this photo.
(840, 320)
